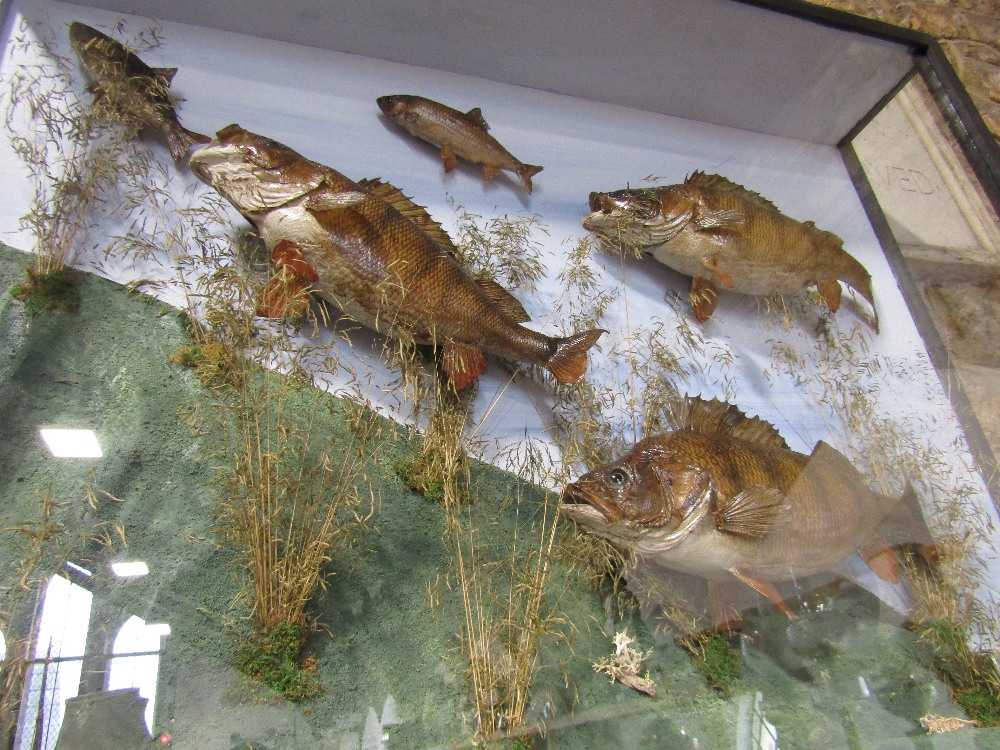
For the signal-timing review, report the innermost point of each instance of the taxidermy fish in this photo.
(724, 498)
(137, 95)
(369, 250)
(723, 235)
(456, 134)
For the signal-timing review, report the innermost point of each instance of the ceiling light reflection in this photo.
(71, 443)
(130, 569)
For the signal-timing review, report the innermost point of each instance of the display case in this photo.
(294, 533)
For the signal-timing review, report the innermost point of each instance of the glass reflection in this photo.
(136, 661)
(71, 443)
(54, 674)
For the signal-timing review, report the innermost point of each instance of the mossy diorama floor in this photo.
(392, 673)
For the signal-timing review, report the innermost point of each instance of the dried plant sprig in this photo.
(75, 153)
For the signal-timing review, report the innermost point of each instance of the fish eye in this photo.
(616, 478)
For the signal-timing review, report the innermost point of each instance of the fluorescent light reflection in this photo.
(71, 443)
(136, 660)
(130, 569)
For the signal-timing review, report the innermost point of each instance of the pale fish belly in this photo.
(704, 554)
(711, 554)
(749, 277)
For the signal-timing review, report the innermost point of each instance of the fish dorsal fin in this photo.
(476, 115)
(699, 179)
(716, 417)
(753, 513)
(417, 214)
(504, 300)
(165, 76)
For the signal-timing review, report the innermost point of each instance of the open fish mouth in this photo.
(577, 494)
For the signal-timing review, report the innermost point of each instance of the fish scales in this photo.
(457, 134)
(133, 92)
(727, 237)
(373, 253)
(720, 496)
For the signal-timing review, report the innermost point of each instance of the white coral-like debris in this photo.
(935, 724)
(624, 665)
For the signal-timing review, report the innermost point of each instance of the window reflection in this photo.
(57, 663)
(135, 661)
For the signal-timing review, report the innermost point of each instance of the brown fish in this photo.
(138, 95)
(372, 252)
(723, 497)
(721, 234)
(456, 134)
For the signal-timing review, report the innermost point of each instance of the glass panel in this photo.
(348, 552)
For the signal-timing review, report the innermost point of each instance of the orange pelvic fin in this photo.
(830, 291)
(704, 297)
(712, 264)
(462, 363)
(881, 559)
(569, 363)
(285, 295)
(723, 605)
(287, 255)
(766, 589)
(525, 172)
(449, 158)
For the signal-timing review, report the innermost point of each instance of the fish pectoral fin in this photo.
(449, 158)
(830, 291)
(710, 221)
(462, 363)
(753, 513)
(284, 296)
(766, 589)
(331, 200)
(288, 256)
(881, 558)
(476, 115)
(704, 297)
(504, 300)
(713, 265)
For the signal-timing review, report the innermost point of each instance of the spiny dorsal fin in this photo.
(504, 300)
(719, 418)
(753, 513)
(417, 214)
(699, 179)
(476, 116)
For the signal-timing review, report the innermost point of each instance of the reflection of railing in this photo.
(53, 675)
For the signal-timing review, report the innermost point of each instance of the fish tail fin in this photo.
(526, 172)
(569, 362)
(857, 278)
(180, 140)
